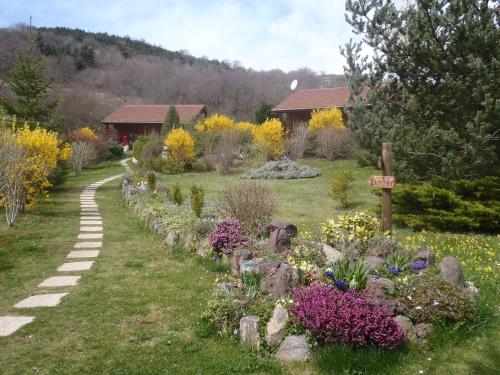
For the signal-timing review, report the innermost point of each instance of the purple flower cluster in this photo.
(334, 316)
(418, 265)
(395, 270)
(228, 235)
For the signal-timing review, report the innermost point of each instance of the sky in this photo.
(260, 34)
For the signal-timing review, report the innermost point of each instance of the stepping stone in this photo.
(75, 266)
(90, 222)
(90, 236)
(10, 324)
(89, 209)
(90, 229)
(83, 254)
(88, 205)
(88, 245)
(41, 300)
(56, 281)
(90, 216)
(87, 201)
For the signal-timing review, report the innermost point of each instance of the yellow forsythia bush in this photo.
(268, 138)
(215, 123)
(326, 118)
(181, 145)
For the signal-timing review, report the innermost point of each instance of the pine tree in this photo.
(435, 85)
(171, 121)
(30, 88)
(263, 112)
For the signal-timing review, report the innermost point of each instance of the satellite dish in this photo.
(293, 85)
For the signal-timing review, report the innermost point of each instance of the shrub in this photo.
(333, 316)
(432, 299)
(456, 206)
(181, 146)
(296, 142)
(250, 203)
(366, 159)
(83, 155)
(228, 235)
(151, 178)
(268, 139)
(326, 118)
(215, 123)
(226, 151)
(115, 150)
(358, 227)
(335, 144)
(197, 200)
(176, 195)
(282, 169)
(341, 188)
(138, 145)
(223, 312)
(150, 152)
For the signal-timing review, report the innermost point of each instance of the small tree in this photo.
(176, 195)
(263, 112)
(341, 188)
(82, 156)
(269, 139)
(30, 90)
(181, 146)
(197, 200)
(171, 121)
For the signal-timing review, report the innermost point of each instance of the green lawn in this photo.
(304, 202)
(137, 310)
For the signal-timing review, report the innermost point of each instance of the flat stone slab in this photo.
(90, 217)
(90, 222)
(88, 245)
(41, 300)
(83, 254)
(10, 324)
(89, 205)
(91, 229)
(90, 209)
(90, 236)
(76, 266)
(56, 281)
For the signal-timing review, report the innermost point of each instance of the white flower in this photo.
(418, 308)
(409, 297)
(435, 303)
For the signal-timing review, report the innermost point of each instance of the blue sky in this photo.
(283, 34)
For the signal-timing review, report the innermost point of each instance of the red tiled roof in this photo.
(151, 114)
(315, 98)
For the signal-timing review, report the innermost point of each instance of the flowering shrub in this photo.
(432, 299)
(269, 139)
(333, 316)
(326, 118)
(358, 227)
(215, 123)
(181, 146)
(228, 235)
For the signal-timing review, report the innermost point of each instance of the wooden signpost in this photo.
(386, 183)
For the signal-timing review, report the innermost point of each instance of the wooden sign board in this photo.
(382, 182)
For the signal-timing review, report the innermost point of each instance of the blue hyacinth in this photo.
(340, 284)
(418, 265)
(329, 274)
(395, 270)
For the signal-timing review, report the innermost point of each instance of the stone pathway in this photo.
(91, 228)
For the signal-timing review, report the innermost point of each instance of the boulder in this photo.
(332, 255)
(276, 326)
(377, 297)
(171, 238)
(294, 348)
(249, 331)
(235, 263)
(451, 271)
(281, 283)
(426, 254)
(245, 254)
(372, 263)
(422, 330)
(280, 236)
(471, 291)
(382, 246)
(204, 248)
(250, 265)
(376, 282)
(408, 328)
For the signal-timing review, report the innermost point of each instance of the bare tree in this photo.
(296, 142)
(12, 173)
(82, 155)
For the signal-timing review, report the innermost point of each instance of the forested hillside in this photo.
(93, 73)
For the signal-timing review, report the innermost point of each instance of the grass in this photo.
(304, 202)
(137, 310)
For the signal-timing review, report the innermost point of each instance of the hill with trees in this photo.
(93, 73)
